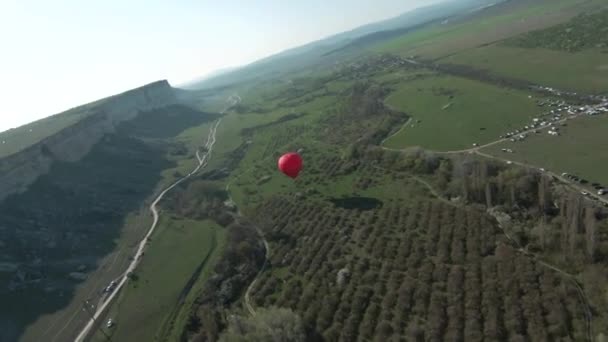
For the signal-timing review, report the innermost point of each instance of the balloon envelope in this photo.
(290, 164)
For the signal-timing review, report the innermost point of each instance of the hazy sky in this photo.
(59, 54)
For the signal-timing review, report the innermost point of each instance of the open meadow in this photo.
(579, 150)
(452, 113)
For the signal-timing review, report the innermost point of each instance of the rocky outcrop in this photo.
(125, 106)
(21, 169)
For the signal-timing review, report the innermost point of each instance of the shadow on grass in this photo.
(360, 203)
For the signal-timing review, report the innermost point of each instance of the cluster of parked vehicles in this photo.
(601, 190)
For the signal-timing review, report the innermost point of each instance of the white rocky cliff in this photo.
(72, 143)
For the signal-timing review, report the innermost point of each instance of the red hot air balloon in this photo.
(290, 164)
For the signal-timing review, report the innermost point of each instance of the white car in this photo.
(110, 323)
(509, 162)
(542, 169)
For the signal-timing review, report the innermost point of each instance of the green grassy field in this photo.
(580, 150)
(585, 71)
(177, 248)
(233, 124)
(477, 113)
(484, 27)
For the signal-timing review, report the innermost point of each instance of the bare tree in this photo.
(574, 218)
(590, 232)
(488, 195)
(543, 194)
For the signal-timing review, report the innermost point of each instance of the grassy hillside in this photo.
(321, 55)
(485, 27)
(66, 224)
(568, 56)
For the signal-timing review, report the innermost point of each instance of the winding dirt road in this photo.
(247, 300)
(202, 162)
(248, 305)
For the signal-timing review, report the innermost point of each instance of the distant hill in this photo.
(319, 53)
(213, 74)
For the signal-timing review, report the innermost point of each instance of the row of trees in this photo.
(425, 271)
(550, 217)
(582, 32)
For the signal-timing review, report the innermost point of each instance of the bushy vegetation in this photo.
(199, 200)
(241, 259)
(272, 324)
(362, 117)
(586, 31)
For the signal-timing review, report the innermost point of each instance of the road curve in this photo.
(202, 162)
(266, 256)
(247, 300)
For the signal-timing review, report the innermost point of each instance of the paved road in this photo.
(202, 162)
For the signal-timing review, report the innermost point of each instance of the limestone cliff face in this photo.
(21, 169)
(125, 106)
